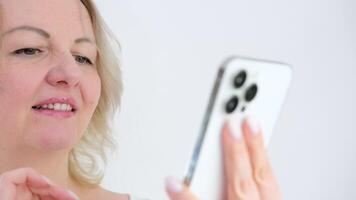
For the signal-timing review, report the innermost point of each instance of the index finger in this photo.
(239, 181)
(36, 182)
(9, 180)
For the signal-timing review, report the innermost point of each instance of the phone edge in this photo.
(202, 132)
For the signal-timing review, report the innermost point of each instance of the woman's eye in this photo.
(33, 51)
(27, 51)
(83, 60)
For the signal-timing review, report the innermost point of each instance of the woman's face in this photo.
(46, 51)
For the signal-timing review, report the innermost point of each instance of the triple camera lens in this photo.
(249, 95)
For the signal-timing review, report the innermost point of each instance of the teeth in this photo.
(64, 107)
(69, 108)
(50, 106)
(56, 106)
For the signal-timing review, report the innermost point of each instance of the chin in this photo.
(54, 140)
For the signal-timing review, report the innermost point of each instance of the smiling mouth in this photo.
(59, 107)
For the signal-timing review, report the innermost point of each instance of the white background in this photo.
(171, 51)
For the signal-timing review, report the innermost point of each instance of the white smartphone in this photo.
(243, 86)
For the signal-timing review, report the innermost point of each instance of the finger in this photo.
(25, 176)
(54, 192)
(178, 191)
(262, 170)
(9, 181)
(22, 192)
(37, 198)
(237, 166)
(36, 183)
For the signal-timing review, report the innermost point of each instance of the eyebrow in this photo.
(43, 33)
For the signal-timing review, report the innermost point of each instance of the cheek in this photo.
(91, 94)
(17, 85)
(16, 92)
(92, 90)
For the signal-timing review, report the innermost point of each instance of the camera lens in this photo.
(240, 79)
(231, 104)
(251, 92)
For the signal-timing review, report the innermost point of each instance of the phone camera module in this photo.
(240, 79)
(231, 104)
(251, 92)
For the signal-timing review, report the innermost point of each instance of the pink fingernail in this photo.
(253, 125)
(173, 185)
(235, 129)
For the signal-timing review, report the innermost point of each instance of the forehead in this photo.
(58, 17)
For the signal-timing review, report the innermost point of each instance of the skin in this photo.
(248, 174)
(33, 146)
(56, 66)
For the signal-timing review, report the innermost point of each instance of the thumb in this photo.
(176, 190)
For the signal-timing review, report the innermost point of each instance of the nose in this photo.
(65, 72)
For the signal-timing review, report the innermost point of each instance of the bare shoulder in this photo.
(101, 193)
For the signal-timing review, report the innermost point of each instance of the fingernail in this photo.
(46, 179)
(73, 195)
(253, 125)
(173, 185)
(235, 128)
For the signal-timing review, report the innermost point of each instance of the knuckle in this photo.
(263, 175)
(28, 171)
(241, 189)
(9, 175)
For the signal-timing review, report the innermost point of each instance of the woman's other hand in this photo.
(27, 184)
(248, 173)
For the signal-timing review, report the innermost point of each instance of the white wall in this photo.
(171, 51)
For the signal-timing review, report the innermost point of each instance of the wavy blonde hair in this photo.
(88, 159)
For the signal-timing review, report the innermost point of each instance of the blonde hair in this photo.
(87, 159)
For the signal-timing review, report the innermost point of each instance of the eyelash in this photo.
(21, 51)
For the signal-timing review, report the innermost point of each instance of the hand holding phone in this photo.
(247, 172)
(230, 161)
